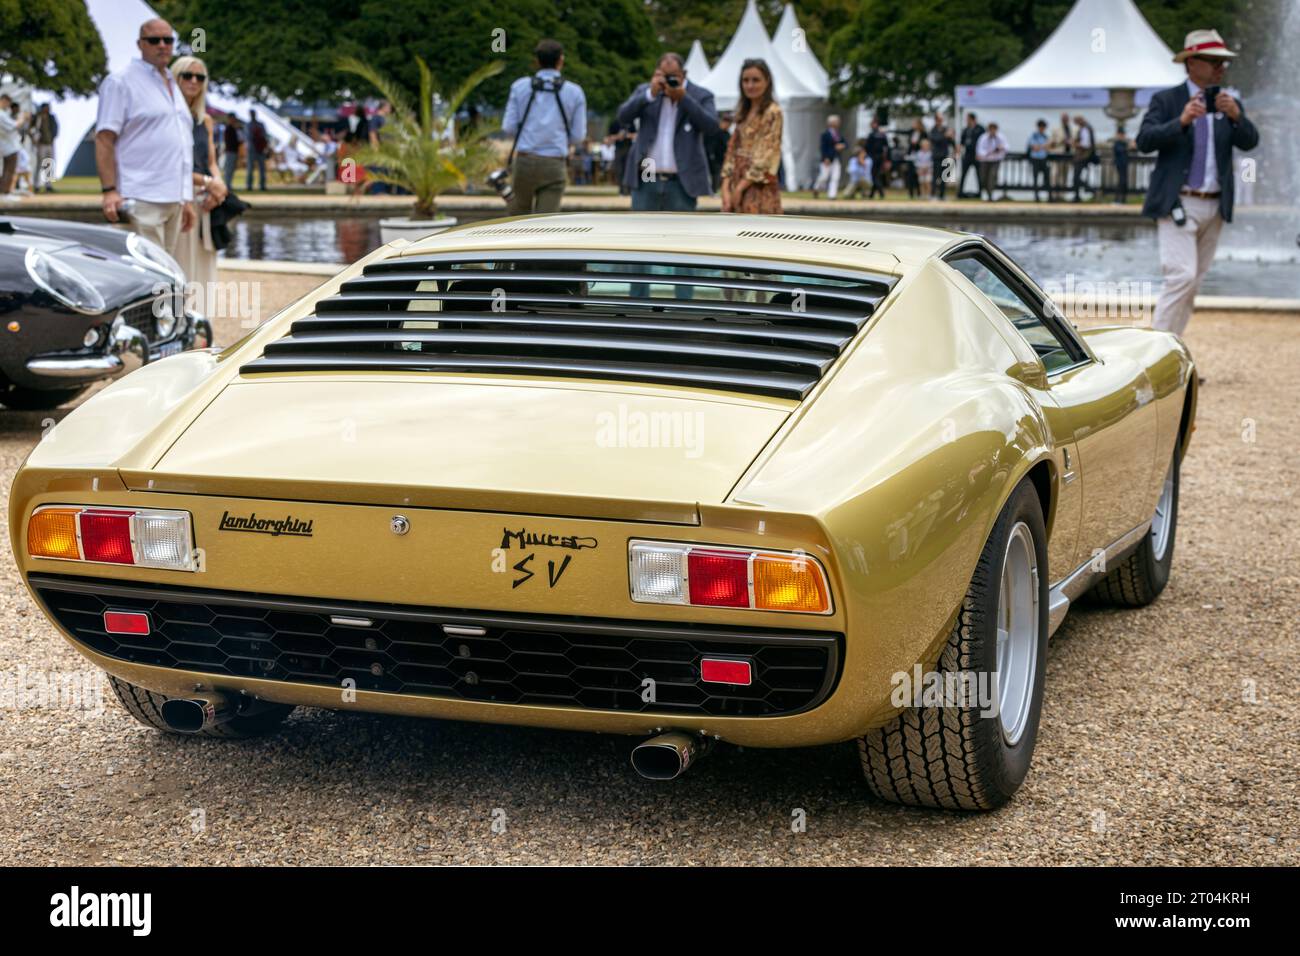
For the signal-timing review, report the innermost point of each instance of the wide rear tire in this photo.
(965, 754)
(146, 707)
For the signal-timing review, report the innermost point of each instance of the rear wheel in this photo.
(970, 749)
(146, 707)
(38, 399)
(1139, 578)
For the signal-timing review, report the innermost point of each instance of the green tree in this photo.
(609, 44)
(51, 44)
(919, 50)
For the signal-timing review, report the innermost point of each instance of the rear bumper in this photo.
(622, 676)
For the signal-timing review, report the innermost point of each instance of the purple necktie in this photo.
(1201, 137)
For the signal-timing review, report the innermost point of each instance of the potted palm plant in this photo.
(421, 150)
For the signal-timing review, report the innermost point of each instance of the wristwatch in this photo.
(108, 189)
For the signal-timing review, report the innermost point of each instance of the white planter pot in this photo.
(408, 228)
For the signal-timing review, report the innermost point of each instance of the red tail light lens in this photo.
(106, 536)
(718, 578)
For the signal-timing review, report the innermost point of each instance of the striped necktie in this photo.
(1200, 150)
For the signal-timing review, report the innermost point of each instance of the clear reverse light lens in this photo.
(163, 539)
(62, 281)
(659, 573)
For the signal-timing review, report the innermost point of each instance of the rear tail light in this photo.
(141, 537)
(708, 576)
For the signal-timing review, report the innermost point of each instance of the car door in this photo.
(1101, 409)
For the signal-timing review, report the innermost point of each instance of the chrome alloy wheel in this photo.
(1018, 622)
(1164, 517)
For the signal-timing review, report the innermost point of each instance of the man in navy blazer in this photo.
(1190, 192)
(668, 168)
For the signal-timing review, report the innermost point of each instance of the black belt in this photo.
(1198, 194)
(659, 176)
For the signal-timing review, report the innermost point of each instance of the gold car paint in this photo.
(892, 476)
(902, 459)
(471, 438)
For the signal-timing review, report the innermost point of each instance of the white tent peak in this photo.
(1100, 44)
(791, 46)
(751, 40)
(697, 64)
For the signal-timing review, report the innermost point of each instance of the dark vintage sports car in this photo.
(81, 303)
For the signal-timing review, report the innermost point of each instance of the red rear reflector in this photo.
(718, 578)
(726, 672)
(106, 536)
(126, 622)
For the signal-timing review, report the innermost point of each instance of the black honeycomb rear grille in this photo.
(574, 662)
(755, 326)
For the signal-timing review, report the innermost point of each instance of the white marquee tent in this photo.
(119, 26)
(697, 64)
(1100, 45)
(802, 102)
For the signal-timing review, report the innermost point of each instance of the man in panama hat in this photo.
(1194, 127)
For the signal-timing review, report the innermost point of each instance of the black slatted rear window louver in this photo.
(709, 322)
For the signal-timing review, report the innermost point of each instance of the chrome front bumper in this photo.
(128, 350)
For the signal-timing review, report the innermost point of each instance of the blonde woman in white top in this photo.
(195, 251)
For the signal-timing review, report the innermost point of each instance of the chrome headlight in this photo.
(63, 282)
(153, 257)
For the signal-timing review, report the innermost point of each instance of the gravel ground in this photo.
(1168, 736)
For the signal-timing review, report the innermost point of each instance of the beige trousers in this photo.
(198, 257)
(1186, 252)
(159, 221)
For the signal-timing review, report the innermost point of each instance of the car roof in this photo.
(892, 248)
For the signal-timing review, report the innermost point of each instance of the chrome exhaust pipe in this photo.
(668, 756)
(190, 715)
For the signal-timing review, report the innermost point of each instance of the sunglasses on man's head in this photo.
(193, 76)
(154, 41)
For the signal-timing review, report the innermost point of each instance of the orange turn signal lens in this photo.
(52, 533)
(789, 582)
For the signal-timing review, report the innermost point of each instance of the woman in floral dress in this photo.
(749, 182)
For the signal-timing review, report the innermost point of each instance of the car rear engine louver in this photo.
(752, 326)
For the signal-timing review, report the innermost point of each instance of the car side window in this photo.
(1044, 340)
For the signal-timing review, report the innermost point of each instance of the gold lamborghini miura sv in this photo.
(772, 481)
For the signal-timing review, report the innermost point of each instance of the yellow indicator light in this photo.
(14, 326)
(52, 533)
(789, 583)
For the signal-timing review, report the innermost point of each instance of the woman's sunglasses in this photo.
(154, 41)
(200, 77)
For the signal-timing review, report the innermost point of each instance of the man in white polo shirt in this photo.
(144, 142)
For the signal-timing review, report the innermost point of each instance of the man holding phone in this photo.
(1194, 127)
